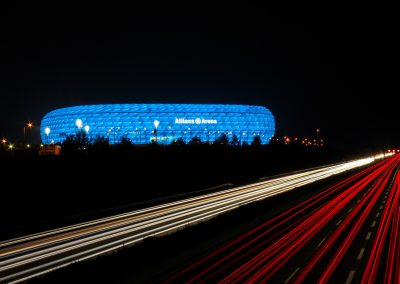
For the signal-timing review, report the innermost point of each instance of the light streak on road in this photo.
(29, 256)
(338, 213)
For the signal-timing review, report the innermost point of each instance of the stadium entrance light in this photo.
(78, 123)
(156, 124)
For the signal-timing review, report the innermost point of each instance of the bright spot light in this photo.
(78, 123)
(156, 123)
(28, 145)
(11, 146)
(87, 128)
(47, 130)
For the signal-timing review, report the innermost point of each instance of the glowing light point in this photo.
(156, 123)
(78, 123)
(87, 128)
(47, 130)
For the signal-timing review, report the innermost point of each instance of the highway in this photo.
(29, 256)
(347, 233)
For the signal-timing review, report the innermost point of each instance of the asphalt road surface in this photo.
(29, 256)
(346, 233)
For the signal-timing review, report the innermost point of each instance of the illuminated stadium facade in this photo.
(143, 123)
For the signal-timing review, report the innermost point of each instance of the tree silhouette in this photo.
(82, 140)
(195, 141)
(76, 143)
(100, 144)
(124, 144)
(125, 141)
(256, 141)
(179, 142)
(235, 140)
(222, 140)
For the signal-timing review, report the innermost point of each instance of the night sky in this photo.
(311, 69)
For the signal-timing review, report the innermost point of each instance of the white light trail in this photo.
(20, 257)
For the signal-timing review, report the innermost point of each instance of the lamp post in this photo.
(47, 132)
(79, 123)
(87, 128)
(156, 124)
(28, 125)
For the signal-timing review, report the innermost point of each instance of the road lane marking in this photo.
(368, 236)
(373, 224)
(291, 275)
(320, 243)
(350, 277)
(360, 255)
(338, 223)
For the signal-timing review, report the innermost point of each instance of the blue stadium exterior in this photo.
(137, 122)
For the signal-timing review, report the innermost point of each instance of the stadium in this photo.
(164, 123)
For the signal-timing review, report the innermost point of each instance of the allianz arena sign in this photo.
(195, 121)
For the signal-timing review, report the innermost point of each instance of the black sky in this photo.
(332, 69)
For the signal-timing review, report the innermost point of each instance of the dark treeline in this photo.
(82, 144)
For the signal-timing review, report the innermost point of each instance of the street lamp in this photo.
(87, 128)
(79, 124)
(47, 132)
(27, 125)
(156, 124)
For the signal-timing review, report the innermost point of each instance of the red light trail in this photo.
(341, 214)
